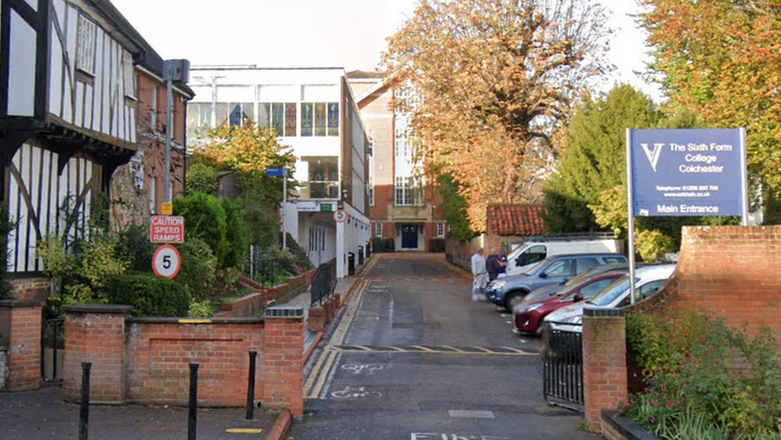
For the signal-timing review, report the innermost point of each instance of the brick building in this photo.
(402, 206)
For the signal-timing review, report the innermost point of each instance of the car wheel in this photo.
(512, 299)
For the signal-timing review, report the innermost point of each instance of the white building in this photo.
(314, 112)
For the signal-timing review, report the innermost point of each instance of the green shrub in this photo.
(150, 295)
(6, 226)
(200, 309)
(700, 372)
(199, 266)
(201, 178)
(236, 235)
(300, 258)
(204, 218)
(134, 245)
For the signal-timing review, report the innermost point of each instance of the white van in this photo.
(532, 252)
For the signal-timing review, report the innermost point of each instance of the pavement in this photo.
(43, 415)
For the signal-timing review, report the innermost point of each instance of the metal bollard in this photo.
(84, 413)
(253, 355)
(192, 413)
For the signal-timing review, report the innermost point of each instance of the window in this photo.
(152, 189)
(401, 142)
(199, 115)
(371, 191)
(153, 110)
(592, 289)
(407, 192)
(610, 260)
(279, 116)
(532, 255)
(378, 230)
(584, 264)
(85, 45)
(560, 268)
(323, 178)
(128, 74)
(440, 230)
(319, 119)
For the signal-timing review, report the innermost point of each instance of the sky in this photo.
(319, 33)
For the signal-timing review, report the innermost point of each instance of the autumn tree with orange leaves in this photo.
(721, 59)
(495, 80)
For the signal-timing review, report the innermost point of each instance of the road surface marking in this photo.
(432, 349)
(353, 392)
(475, 414)
(244, 431)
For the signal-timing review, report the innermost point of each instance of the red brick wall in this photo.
(31, 289)
(95, 333)
(20, 332)
(604, 365)
(284, 375)
(255, 303)
(729, 271)
(159, 352)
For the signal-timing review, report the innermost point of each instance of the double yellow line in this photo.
(319, 376)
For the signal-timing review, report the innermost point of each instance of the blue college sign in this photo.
(275, 171)
(688, 172)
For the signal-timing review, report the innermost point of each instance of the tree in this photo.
(453, 208)
(594, 158)
(493, 80)
(720, 59)
(202, 178)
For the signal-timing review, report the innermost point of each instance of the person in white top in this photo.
(480, 276)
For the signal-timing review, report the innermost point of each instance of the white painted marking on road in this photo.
(504, 315)
(443, 436)
(362, 368)
(509, 322)
(351, 392)
(474, 414)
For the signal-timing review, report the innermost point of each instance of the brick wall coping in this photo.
(603, 313)
(12, 303)
(99, 308)
(285, 312)
(193, 321)
(629, 429)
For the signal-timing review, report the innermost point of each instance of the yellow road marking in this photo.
(423, 348)
(195, 321)
(244, 431)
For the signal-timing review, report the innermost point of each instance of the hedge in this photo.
(150, 295)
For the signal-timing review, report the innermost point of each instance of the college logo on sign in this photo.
(653, 154)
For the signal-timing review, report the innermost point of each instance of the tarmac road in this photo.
(413, 358)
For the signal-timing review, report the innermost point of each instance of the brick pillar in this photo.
(20, 332)
(95, 333)
(604, 362)
(284, 359)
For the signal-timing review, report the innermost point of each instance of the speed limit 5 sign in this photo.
(166, 261)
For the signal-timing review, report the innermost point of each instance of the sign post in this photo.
(282, 172)
(684, 172)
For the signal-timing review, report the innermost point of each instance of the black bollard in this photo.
(251, 385)
(84, 413)
(192, 414)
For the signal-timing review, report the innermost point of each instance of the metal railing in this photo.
(562, 364)
(323, 284)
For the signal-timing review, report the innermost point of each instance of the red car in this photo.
(529, 317)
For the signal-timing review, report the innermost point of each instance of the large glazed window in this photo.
(85, 45)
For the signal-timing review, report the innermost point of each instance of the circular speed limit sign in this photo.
(340, 216)
(166, 261)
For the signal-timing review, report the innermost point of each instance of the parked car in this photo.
(522, 258)
(648, 280)
(548, 291)
(529, 317)
(509, 291)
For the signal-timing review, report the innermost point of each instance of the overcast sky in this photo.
(315, 33)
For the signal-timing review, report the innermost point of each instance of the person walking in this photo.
(480, 274)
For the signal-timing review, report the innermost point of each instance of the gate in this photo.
(52, 344)
(562, 366)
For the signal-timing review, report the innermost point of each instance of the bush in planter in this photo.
(150, 295)
(700, 369)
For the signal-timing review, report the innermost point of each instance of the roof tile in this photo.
(515, 219)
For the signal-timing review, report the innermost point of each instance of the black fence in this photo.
(323, 284)
(562, 365)
(52, 345)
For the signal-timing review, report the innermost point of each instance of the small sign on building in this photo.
(166, 229)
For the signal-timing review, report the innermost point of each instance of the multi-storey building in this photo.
(69, 109)
(402, 204)
(313, 111)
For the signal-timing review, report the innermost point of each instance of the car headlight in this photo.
(531, 307)
(577, 319)
(497, 285)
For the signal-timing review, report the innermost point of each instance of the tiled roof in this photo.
(520, 220)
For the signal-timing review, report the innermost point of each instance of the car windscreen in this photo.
(611, 292)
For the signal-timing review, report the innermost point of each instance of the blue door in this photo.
(409, 236)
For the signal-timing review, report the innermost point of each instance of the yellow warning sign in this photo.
(167, 208)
